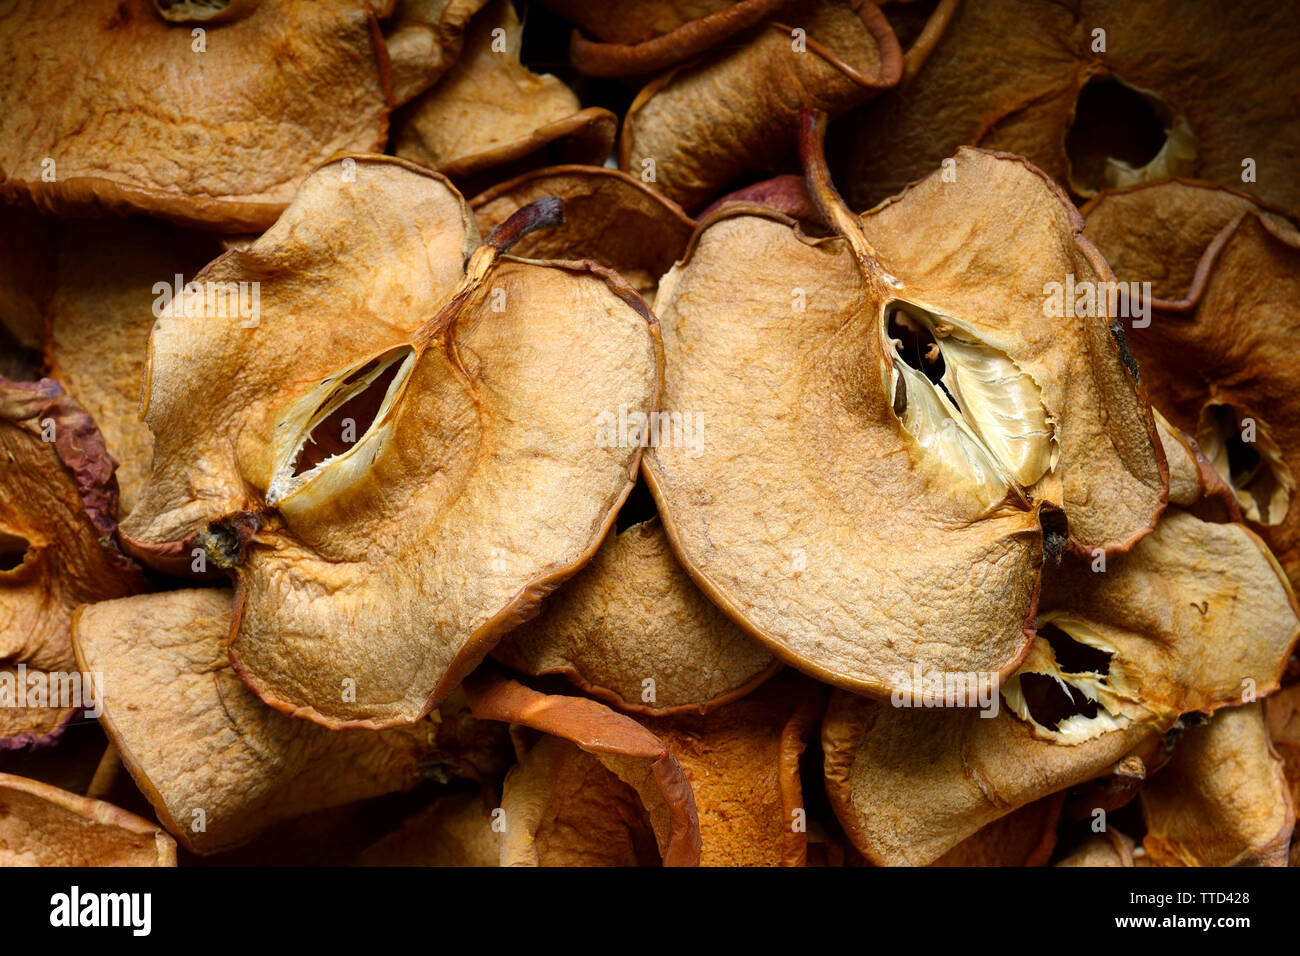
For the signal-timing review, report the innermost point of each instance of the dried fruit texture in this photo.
(563, 807)
(623, 748)
(1025, 837)
(99, 319)
(632, 630)
(135, 119)
(1223, 799)
(1193, 481)
(387, 435)
(1113, 849)
(1197, 617)
(58, 506)
(833, 468)
(424, 40)
(1160, 92)
(1218, 355)
(635, 36)
(208, 751)
(42, 825)
(490, 110)
(1282, 712)
(754, 93)
(452, 831)
(609, 217)
(742, 762)
(909, 785)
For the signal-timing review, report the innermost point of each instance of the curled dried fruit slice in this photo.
(609, 217)
(632, 630)
(218, 765)
(742, 762)
(1282, 712)
(41, 825)
(196, 147)
(492, 111)
(1097, 93)
(1198, 616)
(424, 40)
(1193, 481)
(396, 464)
(636, 36)
(909, 785)
(628, 761)
(58, 506)
(841, 489)
(1025, 837)
(831, 56)
(1223, 799)
(1218, 354)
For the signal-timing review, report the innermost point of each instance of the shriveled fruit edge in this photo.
(577, 169)
(596, 729)
(528, 599)
(794, 741)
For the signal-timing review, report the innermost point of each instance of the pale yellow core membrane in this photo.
(1243, 452)
(997, 434)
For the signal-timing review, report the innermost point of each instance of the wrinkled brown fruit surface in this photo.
(454, 441)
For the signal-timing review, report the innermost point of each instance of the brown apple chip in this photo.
(58, 506)
(41, 825)
(644, 36)
(1282, 712)
(856, 513)
(111, 106)
(1111, 849)
(455, 830)
(1025, 837)
(620, 771)
(492, 111)
(218, 765)
(910, 785)
(633, 630)
(424, 39)
(828, 56)
(1197, 617)
(742, 762)
(1218, 355)
(1223, 799)
(609, 217)
(112, 279)
(396, 464)
(1098, 94)
(1193, 481)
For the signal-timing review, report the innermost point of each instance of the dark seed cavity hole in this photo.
(1223, 436)
(918, 348)
(1113, 121)
(13, 550)
(1050, 703)
(1075, 657)
(348, 423)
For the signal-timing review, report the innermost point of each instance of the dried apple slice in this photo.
(1112, 849)
(218, 765)
(1282, 713)
(1217, 355)
(1197, 617)
(490, 110)
(609, 217)
(831, 56)
(910, 785)
(633, 630)
(424, 40)
(397, 464)
(58, 506)
(742, 762)
(616, 755)
(42, 825)
(841, 492)
(109, 106)
(1099, 93)
(1223, 799)
(1025, 837)
(636, 36)
(1193, 481)
(454, 830)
